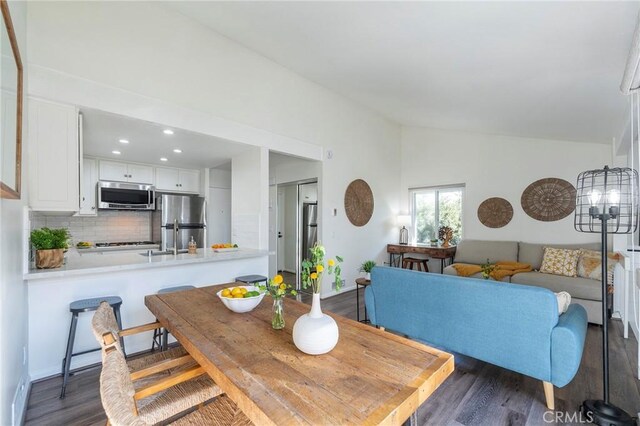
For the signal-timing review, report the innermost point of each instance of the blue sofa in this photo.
(512, 326)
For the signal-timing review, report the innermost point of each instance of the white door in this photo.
(219, 216)
(88, 190)
(190, 180)
(112, 170)
(280, 230)
(140, 174)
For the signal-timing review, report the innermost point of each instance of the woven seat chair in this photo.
(119, 398)
(147, 369)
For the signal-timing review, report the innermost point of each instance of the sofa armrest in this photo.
(567, 343)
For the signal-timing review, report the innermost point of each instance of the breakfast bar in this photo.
(131, 276)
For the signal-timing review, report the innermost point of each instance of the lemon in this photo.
(238, 296)
(244, 290)
(237, 290)
(226, 293)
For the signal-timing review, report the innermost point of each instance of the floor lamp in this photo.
(606, 203)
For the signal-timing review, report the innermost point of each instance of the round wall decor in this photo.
(549, 199)
(495, 212)
(358, 202)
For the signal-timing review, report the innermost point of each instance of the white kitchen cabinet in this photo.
(88, 182)
(177, 180)
(125, 172)
(54, 156)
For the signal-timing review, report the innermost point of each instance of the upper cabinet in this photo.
(177, 180)
(125, 172)
(53, 156)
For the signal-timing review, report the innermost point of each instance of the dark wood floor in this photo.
(477, 393)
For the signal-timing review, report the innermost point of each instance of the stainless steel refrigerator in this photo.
(187, 212)
(309, 228)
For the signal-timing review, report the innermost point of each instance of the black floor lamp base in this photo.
(606, 414)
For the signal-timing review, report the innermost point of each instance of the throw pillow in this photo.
(590, 265)
(564, 300)
(560, 262)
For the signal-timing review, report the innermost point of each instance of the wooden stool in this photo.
(408, 262)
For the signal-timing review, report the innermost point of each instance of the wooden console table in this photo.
(397, 252)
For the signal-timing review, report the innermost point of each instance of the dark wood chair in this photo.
(409, 262)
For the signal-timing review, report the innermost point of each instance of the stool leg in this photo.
(66, 362)
(165, 339)
(116, 312)
(426, 266)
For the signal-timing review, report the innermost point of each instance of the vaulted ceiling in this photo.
(536, 69)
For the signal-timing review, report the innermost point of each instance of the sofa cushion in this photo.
(450, 270)
(478, 251)
(578, 288)
(532, 253)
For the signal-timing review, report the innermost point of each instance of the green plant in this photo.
(47, 238)
(487, 269)
(367, 266)
(313, 269)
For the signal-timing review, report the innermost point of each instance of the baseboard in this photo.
(20, 399)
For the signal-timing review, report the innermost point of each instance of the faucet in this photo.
(175, 237)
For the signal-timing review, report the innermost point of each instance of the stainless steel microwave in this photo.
(126, 196)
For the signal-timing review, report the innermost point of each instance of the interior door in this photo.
(273, 231)
(280, 230)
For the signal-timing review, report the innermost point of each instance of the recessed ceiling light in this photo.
(167, 131)
(163, 159)
(123, 141)
(177, 151)
(115, 152)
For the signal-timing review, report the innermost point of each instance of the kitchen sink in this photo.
(162, 253)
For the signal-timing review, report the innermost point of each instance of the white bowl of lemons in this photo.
(242, 298)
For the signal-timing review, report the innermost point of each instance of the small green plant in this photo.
(487, 269)
(367, 266)
(313, 269)
(47, 238)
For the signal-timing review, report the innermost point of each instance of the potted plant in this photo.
(50, 245)
(366, 267)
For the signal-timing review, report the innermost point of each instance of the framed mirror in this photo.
(11, 108)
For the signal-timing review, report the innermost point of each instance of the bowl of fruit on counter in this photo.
(243, 298)
(224, 247)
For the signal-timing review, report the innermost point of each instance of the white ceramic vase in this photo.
(315, 333)
(367, 276)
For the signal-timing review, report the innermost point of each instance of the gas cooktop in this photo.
(125, 243)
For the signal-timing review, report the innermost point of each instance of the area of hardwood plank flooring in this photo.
(476, 393)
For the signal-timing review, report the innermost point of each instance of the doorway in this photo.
(297, 227)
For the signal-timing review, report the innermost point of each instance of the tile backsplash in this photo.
(107, 226)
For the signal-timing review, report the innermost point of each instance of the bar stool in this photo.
(408, 262)
(252, 279)
(77, 307)
(161, 335)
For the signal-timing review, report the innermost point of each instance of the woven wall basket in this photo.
(495, 212)
(358, 202)
(549, 199)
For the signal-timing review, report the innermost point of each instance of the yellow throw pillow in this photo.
(590, 265)
(560, 262)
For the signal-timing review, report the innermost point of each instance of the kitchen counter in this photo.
(78, 264)
(126, 274)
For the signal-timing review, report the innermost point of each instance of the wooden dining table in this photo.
(371, 377)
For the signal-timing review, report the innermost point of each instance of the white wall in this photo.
(498, 166)
(182, 74)
(13, 292)
(250, 199)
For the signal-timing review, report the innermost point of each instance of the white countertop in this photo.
(76, 264)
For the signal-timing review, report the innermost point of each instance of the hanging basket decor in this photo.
(549, 199)
(495, 212)
(358, 202)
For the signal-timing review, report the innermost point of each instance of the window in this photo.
(434, 207)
